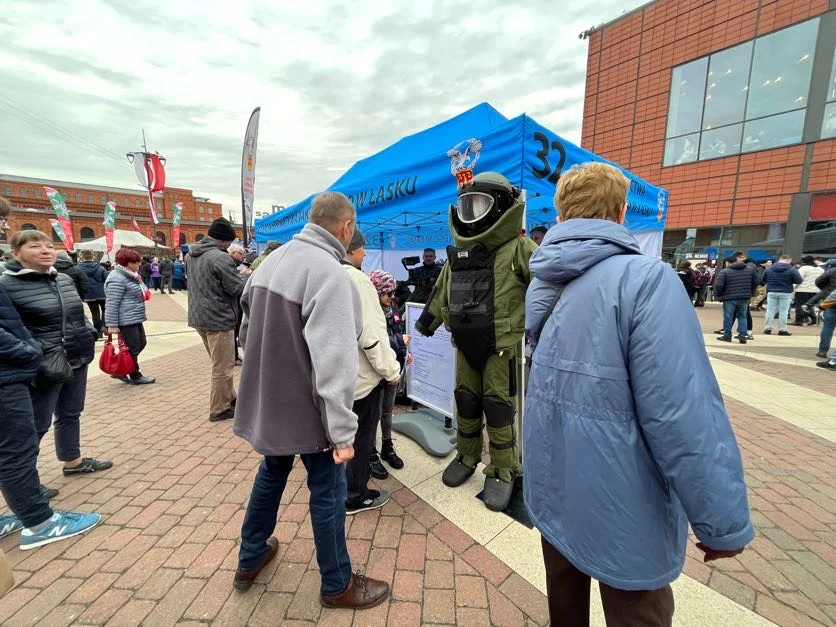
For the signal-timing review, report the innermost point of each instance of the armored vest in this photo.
(471, 305)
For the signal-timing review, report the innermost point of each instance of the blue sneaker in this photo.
(9, 524)
(62, 525)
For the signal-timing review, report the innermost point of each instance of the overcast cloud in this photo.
(336, 82)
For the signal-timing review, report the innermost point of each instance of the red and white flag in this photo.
(150, 171)
(135, 225)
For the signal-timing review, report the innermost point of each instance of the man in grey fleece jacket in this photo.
(301, 311)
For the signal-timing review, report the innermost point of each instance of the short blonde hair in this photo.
(591, 190)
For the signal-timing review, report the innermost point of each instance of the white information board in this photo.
(431, 378)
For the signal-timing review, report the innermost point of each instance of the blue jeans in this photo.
(777, 303)
(19, 481)
(829, 317)
(326, 481)
(735, 309)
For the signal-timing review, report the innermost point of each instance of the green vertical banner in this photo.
(63, 215)
(109, 224)
(175, 225)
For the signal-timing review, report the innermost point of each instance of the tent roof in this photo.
(403, 193)
(120, 239)
(425, 143)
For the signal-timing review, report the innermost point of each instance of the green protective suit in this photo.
(486, 363)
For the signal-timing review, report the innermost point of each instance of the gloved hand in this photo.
(714, 554)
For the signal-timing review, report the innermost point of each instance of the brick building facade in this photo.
(731, 105)
(31, 209)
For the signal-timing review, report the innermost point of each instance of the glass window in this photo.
(687, 94)
(103, 199)
(23, 192)
(90, 199)
(7, 191)
(720, 142)
(28, 227)
(200, 209)
(138, 202)
(728, 81)
(77, 197)
(37, 193)
(774, 131)
(828, 128)
(87, 234)
(783, 63)
(681, 149)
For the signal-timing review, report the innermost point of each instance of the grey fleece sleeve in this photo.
(331, 335)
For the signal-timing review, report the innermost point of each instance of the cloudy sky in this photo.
(336, 82)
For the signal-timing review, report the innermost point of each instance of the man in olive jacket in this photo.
(215, 285)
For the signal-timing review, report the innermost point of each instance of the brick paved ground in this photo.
(174, 502)
(173, 507)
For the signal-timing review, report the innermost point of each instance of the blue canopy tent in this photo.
(403, 193)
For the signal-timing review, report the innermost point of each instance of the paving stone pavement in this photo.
(173, 505)
(174, 501)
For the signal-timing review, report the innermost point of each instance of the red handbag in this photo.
(115, 364)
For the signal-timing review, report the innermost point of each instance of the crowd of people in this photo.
(339, 336)
(743, 285)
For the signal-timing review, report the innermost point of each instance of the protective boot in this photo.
(469, 439)
(388, 454)
(497, 494)
(505, 459)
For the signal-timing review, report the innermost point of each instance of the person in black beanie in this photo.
(215, 285)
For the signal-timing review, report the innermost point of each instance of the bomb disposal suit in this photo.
(480, 297)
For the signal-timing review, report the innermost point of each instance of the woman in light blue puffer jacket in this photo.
(125, 294)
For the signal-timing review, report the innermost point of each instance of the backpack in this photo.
(701, 279)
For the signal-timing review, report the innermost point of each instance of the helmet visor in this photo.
(474, 206)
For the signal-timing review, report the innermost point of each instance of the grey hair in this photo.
(331, 208)
(235, 248)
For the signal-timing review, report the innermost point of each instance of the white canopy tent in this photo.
(128, 239)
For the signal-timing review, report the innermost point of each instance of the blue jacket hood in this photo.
(781, 267)
(571, 248)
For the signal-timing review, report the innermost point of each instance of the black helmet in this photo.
(482, 202)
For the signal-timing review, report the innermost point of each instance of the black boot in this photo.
(140, 379)
(389, 455)
(376, 468)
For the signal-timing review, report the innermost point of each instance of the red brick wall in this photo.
(22, 194)
(625, 111)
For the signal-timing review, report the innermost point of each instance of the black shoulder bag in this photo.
(55, 367)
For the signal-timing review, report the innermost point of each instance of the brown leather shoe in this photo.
(245, 578)
(362, 593)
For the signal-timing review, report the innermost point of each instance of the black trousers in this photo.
(802, 316)
(134, 336)
(568, 592)
(19, 480)
(97, 310)
(357, 470)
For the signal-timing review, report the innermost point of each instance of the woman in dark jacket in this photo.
(94, 296)
(686, 275)
(145, 271)
(125, 312)
(52, 311)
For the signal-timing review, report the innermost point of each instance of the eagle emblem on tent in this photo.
(463, 157)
